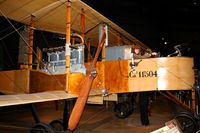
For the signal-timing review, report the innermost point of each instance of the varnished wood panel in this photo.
(116, 76)
(75, 82)
(151, 74)
(144, 77)
(173, 73)
(178, 73)
(40, 81)
(14, 81)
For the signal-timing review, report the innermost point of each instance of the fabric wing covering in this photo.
(50, 15)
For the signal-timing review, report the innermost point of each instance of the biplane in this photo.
(70, 70)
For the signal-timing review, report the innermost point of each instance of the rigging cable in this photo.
(31, 49)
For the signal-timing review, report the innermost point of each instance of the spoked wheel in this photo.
(42, 128)
(122, 110)
(187, 122)
(57, 125)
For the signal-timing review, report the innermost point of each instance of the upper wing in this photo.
(50, 15)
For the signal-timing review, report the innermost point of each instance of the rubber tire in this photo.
(122, 110)
(42, 128)
(57, 125)
(188, 123)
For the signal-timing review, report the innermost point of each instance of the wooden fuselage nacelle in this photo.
(117, 76)
(166, 73)
(151, 74)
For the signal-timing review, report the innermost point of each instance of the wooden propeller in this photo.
(86, 87)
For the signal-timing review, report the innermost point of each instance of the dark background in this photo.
(156, 22)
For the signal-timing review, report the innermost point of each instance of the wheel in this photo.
(122, 110)
(186, 113)
(131, 108)
(57, 125)
(42, 128)
(69, 131)
(187, 122)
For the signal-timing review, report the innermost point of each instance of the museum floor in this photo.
(96, 118)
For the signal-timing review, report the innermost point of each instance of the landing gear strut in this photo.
(55, 126)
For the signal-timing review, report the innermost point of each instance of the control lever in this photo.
(178, 52)
(133, 63)
(177, 49)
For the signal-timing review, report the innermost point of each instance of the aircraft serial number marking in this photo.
(142, 74)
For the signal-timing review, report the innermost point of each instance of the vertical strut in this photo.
(83, 23)
(34, 113)
(67, 48)
(30, 48)
(66, 114)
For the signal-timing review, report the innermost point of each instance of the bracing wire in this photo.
(11, 33)
(30, 48)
